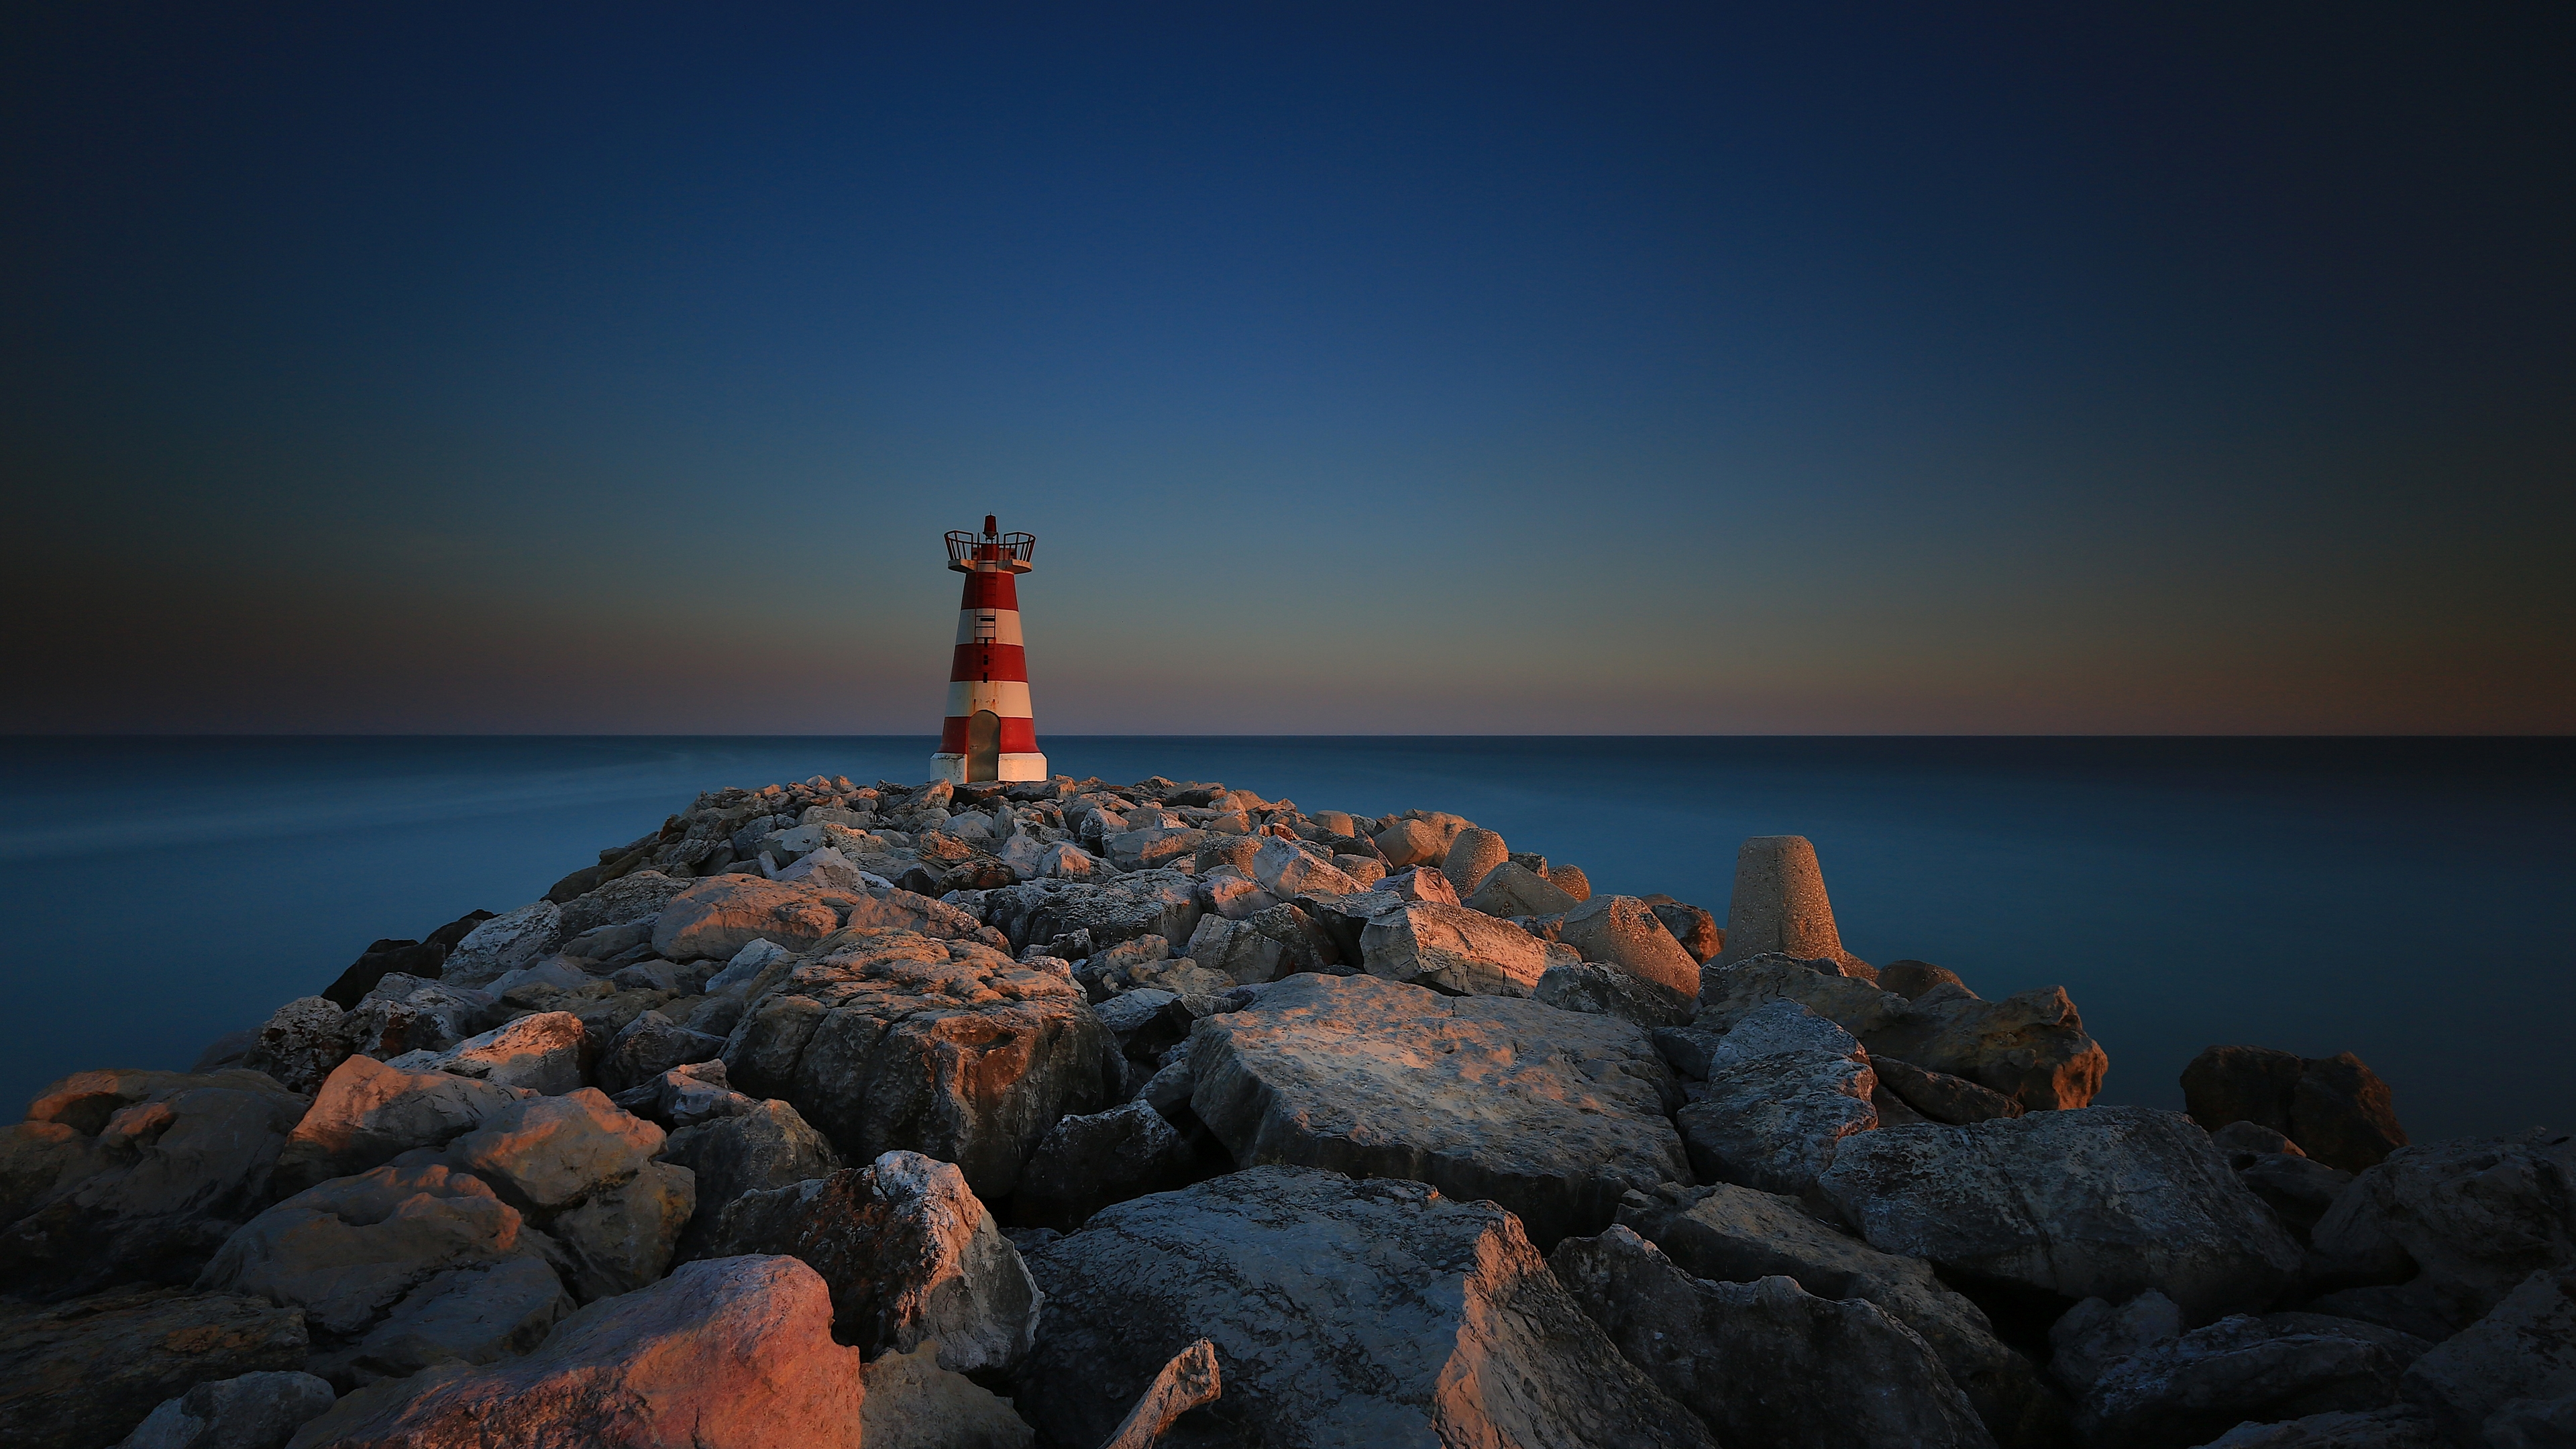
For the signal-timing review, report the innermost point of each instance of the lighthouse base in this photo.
(952, 768)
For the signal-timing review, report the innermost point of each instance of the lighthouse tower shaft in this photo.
(990, 733)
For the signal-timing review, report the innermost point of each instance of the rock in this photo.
(892, 909)
(539, 1053)
(1233, 897)
(942, 1047)
(1422, 883)
(1372, 1312)
(352, 1250)
(685, 1096)
(505, 943)
(2525, 1349)
(636, 896)
(2296, 1186)
(1691, 926)
(80, 1374)
(2093, 1202)
(406, 1014)
(908, 1254)
(367, 1113)
(1766, 1362)
(2089, 1338)
(1410, 843)
(2469, 1220)
(731, 1354)
(1150, 902)
(2279, 1366)
(479, 1313)
(1286, 870)
(1237, 948)
(1941, 1096)
(1622, 931)
(1738, 1235)
(1085, 1163)
(1153, 847)
(301, 1043)
(2031, 1047)
(424, 959)
(1785, 1087)
(717, 917)
(120, 1177)
(1453, 949)
(767, 1146)
(1911, 979)
(1608, 991)
(1474, 853)
(913, 1403)
(1550, 1113)
(1188, 1381)
(1571, 880)
(1510, 889)
(623, 1235)
(253, 1411)
(1779, 903)
(2335, 1108)
(545, 1154)
(651, 1045)
(2393, 1428)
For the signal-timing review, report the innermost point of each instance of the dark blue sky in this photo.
(1457, 370)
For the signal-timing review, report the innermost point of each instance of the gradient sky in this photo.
(1382, 369)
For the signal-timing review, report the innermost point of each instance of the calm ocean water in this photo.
(2403, 899)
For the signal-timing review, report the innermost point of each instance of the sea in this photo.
(2403, 899)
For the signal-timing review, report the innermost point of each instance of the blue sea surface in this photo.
(2402, 899)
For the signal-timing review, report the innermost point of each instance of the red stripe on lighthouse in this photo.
(994, 590)
(990, 661)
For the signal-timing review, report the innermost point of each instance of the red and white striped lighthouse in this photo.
(989, 733)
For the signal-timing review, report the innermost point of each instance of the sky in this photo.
(1390, 369)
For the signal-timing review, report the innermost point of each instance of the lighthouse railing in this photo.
(969, 548)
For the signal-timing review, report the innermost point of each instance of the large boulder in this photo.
(1598, 990)
(765, 1145)
(650, 1045)
(942, 1047)
(913, 1403)
(368, 1113)
(2095, 1202)
(1454, 949)
(891, 908)
(407, 1014)
(1784, 1088)
(2335, 1108)
(2279, 1366)
(1622, 931)
(542, 1052)
(252, 1411)
(355, 1251)
(1086, 1162)
(1286, 869)
(1738, 1235)
(1767, 1362)
(2524, 1352)
(302, 1041)
(1550, 1113)
(2031, 1047)
(1474, 854)
(1513, 889)
(2398, 1427)
(503, 944)
(736, 1353)
(1407, 843)
(1118, 908)
(2466, 1220)
(1779, 903)
(80, 1374)
(908, 1253)
(1341, 1312)
(716, 917)
(119, 1177)
(636, 896)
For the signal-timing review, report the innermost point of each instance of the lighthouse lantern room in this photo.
(989, 733)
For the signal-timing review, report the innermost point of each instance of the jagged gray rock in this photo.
(2522, 1352)
(2098, 1202)
(1550, 1113)
(254, 1411)
(1767, 1362)
(1373, 1312)
(2280, 1366)
(2469, 1220)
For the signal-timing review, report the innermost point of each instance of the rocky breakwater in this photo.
(1073, 1114)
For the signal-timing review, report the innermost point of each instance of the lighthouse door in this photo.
(984, 746)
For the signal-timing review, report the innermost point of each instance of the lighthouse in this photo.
(989, 733)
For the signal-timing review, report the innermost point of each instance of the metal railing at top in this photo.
(966, 547)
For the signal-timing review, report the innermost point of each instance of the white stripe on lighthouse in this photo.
(1005, 626)
(1008, 698)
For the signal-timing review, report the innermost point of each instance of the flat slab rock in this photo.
(1342, 1313)
(946, 1048)
(1552, 1114)
(80, 1374)
(2095, 1202)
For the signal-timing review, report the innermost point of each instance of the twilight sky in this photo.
(1381, 369)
